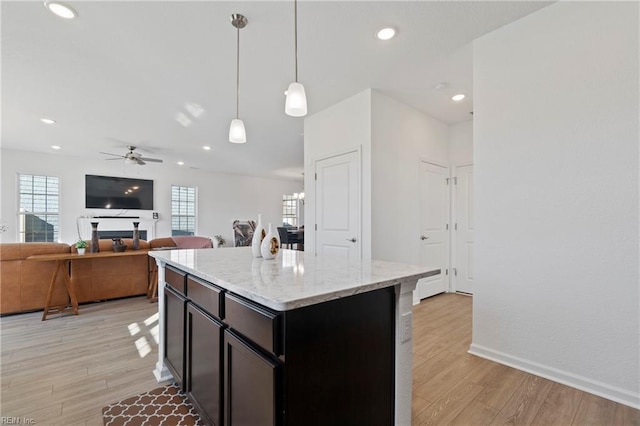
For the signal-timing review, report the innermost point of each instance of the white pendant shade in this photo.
(236, 131)
(296, 104)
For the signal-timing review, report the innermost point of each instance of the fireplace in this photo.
(117, 227)
(120, 234)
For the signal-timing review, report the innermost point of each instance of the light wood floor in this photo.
(451, 387)
(64, 370)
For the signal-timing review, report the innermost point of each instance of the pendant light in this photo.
(237, 133)
(296, 103)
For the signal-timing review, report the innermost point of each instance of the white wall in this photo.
(557, 218)
(393, 137)
(337, 129)
(461, 143)
(401, 137)
(222, 198)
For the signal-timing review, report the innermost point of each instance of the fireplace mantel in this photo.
(116, 224)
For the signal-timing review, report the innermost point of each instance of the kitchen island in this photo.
(296, 340)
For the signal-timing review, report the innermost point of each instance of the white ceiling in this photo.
(121, 72)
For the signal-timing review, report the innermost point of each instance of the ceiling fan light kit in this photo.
(237, 133)
(132, 157)
(296, 102)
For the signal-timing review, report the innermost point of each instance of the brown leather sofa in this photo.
(24, 283)
(162, 242)
(167, 242)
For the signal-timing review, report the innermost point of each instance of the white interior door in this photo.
(463, 277)
(338, 205)
(434, 232)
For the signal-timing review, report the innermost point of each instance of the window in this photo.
(290, 210)
(183, 210)
(39, 215)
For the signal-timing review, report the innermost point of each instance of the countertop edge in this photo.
(287, 305)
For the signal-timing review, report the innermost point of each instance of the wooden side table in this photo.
(63, 261)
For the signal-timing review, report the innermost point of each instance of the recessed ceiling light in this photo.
(206, 148)
(458, 97)
(47, 121)
(60, 9)
(386, 33)
(180, 163)
(56, 147)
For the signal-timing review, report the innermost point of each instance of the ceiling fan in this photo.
(132, 157)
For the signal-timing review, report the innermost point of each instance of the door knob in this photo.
(353, 240)
(422, 237)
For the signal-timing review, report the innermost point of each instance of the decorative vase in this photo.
(270, 245)
(258, 236)
(95, 244)
(81, 250)
(135, 245)
(118, 245)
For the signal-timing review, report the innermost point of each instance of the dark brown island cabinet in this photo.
(299, 340)
(241, 363)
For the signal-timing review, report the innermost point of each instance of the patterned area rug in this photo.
(162, 406)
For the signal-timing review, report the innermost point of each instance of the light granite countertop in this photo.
(294, 278)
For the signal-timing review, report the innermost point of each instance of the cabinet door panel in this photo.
(174, 313)
(250, 384)
(204, 379)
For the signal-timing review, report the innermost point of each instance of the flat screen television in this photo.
(108, 192)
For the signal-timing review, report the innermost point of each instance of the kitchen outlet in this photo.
(407, 328)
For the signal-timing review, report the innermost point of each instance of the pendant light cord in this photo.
(295, 36)
(238, 72)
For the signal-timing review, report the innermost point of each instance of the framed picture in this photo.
(243, 232)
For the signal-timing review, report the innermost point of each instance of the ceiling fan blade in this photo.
(111, 159)
(140, 162)
(115, 155)
(152, 160)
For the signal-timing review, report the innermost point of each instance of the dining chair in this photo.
(285, 238)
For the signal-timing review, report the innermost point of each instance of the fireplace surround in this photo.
(117, 227)
(121, 233)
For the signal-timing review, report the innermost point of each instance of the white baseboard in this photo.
(597, 388)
